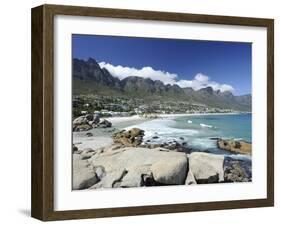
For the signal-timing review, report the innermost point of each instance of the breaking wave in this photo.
(205, 125)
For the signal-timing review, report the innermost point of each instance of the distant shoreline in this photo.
(138, 118)
(199, 114)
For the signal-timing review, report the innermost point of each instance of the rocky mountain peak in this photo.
(92, 61)
(226, 94)
(89, 77)
(208, 90)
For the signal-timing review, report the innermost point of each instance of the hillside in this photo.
(90, 78)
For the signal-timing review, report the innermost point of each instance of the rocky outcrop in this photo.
(236, 170)
(171, 145)
(89, 121)
(235, 146)
(134, 167)
(206, 168)
(121, 166)
(80, 121)
(94, 120)
(130, 138)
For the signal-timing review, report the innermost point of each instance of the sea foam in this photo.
(205, 125)
(163, 129)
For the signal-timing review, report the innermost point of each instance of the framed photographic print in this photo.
(141, 112)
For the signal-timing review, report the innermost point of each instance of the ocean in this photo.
(198, 131)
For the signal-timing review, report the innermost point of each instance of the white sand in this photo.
(102, 137)
(123, 122)
(115, 120)
(92, 142)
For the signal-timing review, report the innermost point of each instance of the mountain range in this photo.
(89, 77)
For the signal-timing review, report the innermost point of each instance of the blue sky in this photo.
(188, 63)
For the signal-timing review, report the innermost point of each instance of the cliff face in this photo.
(89, 77)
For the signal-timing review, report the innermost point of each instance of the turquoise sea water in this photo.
(198, 130)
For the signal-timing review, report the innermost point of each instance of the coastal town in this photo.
(110, 106)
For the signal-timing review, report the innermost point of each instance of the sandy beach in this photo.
(123, 122)
(102, 136)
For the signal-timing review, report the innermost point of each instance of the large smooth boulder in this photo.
(172, 172)
(206, 168)
(143, 166)
(236, 146)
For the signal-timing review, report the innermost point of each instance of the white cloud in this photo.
(200, 80)
(145, 72)
(225, 87)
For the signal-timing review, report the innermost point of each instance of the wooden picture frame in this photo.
(43, 112)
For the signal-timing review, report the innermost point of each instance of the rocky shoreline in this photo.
(235, 146)
(89, 121)
(129, 162)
